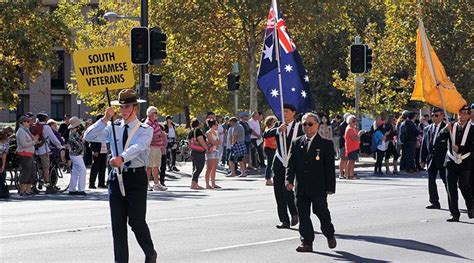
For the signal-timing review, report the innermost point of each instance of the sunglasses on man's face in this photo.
(27, 121)
(435, 115)
(309, 124)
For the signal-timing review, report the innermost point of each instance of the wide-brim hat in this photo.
(74, 122)
(125, 97)
(289, 106)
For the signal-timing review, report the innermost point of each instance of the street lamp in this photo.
(114, 17)
(78, 101)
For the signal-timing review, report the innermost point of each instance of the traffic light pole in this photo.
(235, 69)
(143, 69)
(358, 83)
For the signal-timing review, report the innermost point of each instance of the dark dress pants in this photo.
(285, 199)
(131, 207)
(270, 153)
(408, 156)
(199, 160)
(432, 187)
(99, 164)
(379, 158)
(163, 169)
(320, 209)
(455, 177)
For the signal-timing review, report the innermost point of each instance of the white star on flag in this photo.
(288, 68)
(306, 78)
(268, 53)
(303, 94)
(293, 89)
(274, 93)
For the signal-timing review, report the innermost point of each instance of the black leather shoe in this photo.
(433, 206)
(332, 242)
(304, 248)
(92, 187)
(283, 225)
(151, 259)
(294, 220)
(453, 219)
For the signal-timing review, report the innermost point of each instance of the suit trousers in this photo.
(131, 208)
(285, 199)
(98, 168)
(320, 209)
(455, 177)
(432, 187)
(471, 179)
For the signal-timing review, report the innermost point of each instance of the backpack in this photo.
(37, 129)
(403, 134)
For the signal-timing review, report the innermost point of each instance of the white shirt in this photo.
(310, 141)
(255, 126)
(436, 127)
(171, 132)
(49, 136)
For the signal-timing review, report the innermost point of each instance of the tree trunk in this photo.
(253, 68)
(187, 116)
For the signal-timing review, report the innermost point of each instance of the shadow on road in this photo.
(346, 256)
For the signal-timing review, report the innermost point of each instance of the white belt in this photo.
(458, 158)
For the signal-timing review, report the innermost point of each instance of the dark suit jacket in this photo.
(277, 165)
(468, 147)
(313, 177)
(434, 154)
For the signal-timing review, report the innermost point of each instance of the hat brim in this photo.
(117, 103)
(72, 126)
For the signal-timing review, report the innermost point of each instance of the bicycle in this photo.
(58, 179)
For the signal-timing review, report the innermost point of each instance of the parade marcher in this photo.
(76, 148)
(133, 147)
(25, 150)
(155, 158)
(285, 198)
(198, 145)
(269, 146)
(433, 154)
(172, 146)
(472, 156)
(311, 163)
(99, 162)
(461, 146)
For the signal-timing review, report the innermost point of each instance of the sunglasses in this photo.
(435, 115)
(26, 121)
(309, 124)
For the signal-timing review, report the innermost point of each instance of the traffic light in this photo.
(233, 81)
(358, 58)
(368, 59)
(158, 45)
(140, 45)
(155, 82)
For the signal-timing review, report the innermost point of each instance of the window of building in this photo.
(57, 76)
(57, 107)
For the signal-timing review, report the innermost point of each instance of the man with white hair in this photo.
(155, 158)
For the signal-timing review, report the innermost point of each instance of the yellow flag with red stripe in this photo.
(432, 85)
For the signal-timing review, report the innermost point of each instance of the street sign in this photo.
(98, 69)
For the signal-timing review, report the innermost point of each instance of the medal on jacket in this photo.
(317, 156)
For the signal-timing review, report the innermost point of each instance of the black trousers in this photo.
(285, 199)
(163, 169)
(171, 156)
(408, 156)
(432, 187)
(99, 164)
(131, 208)
(199, 160)
(320, 209)
(379, 158)
(455, 177)
(270, 153)
(257, 161)
(471, 179)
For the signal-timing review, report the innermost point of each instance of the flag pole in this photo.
(277, 48)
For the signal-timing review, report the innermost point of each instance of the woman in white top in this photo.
(212, 156)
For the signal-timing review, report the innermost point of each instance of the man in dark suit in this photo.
(291, 129)
(461, 140)
(312, 164)
(433, 154)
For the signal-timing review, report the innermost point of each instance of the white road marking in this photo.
(250, 244)
(78, 229)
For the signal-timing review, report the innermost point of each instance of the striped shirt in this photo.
(156, 140)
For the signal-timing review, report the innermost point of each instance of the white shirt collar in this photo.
(310, 139)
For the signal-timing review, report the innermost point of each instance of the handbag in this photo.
(195, 145)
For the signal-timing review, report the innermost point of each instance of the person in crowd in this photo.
(55, 152)
(342, 147)
(212, 155)
(25, 150)
(391, 133)
(99, 162)
(154, 160)
(400, 123)
(269, 146)
(244, 117)
(4, 147)
(379, 140)
(352, 141)
(128, 189)
(198, 145)
(311, 163)
(408, 136)
(221, 131)
(163, 144)
(209, 116)
(63, 130)
(433, 154)
(336, 134)
(287, 131)
(256, 154)
(43, 150)
(237, 147)
(225, 141)
(419, 126)
(461, 142)
(88, 158)
(77, 184)
(325, 129)
(172, 146)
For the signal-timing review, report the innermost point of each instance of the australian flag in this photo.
(295, 80)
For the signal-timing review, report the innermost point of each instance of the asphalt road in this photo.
(377, 219)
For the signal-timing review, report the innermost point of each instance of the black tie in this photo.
(308, 143)
(124, 141)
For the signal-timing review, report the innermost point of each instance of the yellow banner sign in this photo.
(97, 69)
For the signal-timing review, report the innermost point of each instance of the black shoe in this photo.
(304, 248)
(151, 259)
(175, 169)
(81, 193)
(433, 206)
(453, 219)
(294, 220)
(332, 242)
(283, 226)
(102, 187)
(35, 191)
(470, 213)
(73, 193)
(92, 187)
(50, 190)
